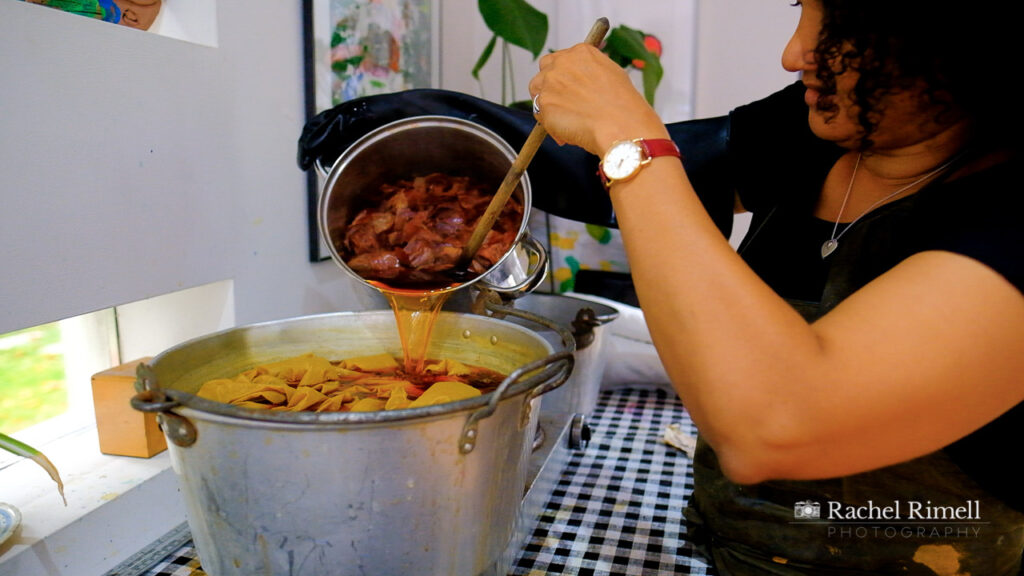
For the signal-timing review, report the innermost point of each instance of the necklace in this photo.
(832, 243)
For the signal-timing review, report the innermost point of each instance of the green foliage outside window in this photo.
(31, 388)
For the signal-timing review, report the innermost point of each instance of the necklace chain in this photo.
(832, 243)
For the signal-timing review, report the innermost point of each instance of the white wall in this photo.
(134, 165)
(739, 52)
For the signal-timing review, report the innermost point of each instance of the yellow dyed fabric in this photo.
(375, 363)
(448, 367)
(362, 384)
(444, 392)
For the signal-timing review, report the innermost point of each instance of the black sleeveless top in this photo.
(978, 216)
(778, 168)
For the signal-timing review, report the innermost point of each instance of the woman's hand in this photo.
(587, 100)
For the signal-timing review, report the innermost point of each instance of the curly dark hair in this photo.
(959, 53)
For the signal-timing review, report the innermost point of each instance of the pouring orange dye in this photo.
(415, 313)
(409, 242)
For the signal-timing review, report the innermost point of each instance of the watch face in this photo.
(622, 160)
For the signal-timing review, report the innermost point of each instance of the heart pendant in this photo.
(828, 247)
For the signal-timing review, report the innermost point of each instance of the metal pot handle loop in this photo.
(499, 311)
(534, 275)
(320, 169)
(569, 339)
(153, 401)
(152, 398)
(467, 440)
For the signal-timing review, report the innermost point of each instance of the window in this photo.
(32, 386)
(46, 371)
(45, 375)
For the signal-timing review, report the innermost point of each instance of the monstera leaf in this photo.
(627, 46)
(515, 22)
(518, 23)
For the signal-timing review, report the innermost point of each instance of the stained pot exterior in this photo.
(354, 493)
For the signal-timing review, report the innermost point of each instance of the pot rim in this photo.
(549, 369)
(398, 126)
(603, 313)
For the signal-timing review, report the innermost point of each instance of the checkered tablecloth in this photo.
(617, 510)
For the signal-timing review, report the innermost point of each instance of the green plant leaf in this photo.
(516, 22)
(484, 56)
(652, 74)
(624, 45)
(21, 449)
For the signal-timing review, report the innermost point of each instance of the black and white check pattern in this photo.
(618, 509)
(183, 562)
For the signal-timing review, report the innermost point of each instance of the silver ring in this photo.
(536, 107)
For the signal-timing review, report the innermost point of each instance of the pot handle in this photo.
(320, 169)
(534, 275)
(467, 440)
(151, 398)
(492, 302)
(568, 337)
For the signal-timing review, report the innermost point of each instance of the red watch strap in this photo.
(660, 147)
(653, 148)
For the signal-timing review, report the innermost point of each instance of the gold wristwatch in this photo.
(625, 158)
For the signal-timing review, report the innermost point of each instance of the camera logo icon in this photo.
(806, 510)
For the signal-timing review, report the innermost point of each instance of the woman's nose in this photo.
(795, 57)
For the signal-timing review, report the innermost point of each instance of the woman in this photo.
(894, 230)
(883, 188)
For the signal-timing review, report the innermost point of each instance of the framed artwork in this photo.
(358, 48)
(131, 13)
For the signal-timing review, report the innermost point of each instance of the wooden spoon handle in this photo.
(515, 173)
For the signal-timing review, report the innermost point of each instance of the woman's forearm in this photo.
(730, 345)
(878, 380)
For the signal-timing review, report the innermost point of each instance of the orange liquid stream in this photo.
(416, 312)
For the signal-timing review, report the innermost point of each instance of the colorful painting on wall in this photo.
(365, 47)
(132, 13)
(379, 46)
(357, 48)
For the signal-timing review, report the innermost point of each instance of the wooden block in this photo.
(123, 430)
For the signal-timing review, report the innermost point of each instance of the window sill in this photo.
(117, 505)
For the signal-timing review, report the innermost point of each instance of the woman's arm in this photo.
(917, 359)
(563, 178)
(922, 356)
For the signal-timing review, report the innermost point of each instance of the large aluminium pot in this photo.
(433, 490)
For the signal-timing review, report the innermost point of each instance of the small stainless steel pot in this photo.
(433, 490)
(585, 319)
(422, 145)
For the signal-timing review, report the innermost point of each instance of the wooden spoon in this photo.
(515, 173)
